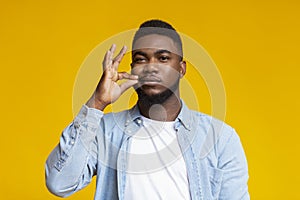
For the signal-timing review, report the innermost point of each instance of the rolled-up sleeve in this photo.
(73, 162)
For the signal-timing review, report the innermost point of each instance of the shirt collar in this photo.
(183, 118)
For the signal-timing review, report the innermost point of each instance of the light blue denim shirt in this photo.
(97, 144)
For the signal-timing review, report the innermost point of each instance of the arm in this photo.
(73, 163)
(233, 163)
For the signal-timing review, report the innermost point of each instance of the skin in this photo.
(155, 68)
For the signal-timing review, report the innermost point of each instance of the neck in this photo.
(167, 111)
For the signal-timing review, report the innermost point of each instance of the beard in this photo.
(160, 98)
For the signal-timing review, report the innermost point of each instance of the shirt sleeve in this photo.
(73, 162)
(233, 163)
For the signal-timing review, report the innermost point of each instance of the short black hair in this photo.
(156, 26)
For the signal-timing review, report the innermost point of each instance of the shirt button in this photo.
(76, 124)
(58, 165)
(139, 121)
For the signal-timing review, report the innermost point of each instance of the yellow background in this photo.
(255, 45)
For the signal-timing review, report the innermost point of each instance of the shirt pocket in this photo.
(215, 178)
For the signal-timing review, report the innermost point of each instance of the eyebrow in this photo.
(139, 53)
(160, 51)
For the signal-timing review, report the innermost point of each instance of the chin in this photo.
(150, 98)
(155, 95)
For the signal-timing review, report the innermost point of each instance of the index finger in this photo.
(125, 75)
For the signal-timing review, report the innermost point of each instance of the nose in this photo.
(151, 67)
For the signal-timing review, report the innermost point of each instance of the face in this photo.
(155, 59)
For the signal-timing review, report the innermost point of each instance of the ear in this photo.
(182, 69)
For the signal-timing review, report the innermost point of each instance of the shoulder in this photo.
(209, 122)
(215, 133)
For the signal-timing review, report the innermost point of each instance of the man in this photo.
(159, 149)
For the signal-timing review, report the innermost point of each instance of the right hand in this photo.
(108, 90)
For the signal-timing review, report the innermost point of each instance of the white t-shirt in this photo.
(156, 168)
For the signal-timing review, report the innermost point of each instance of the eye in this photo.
(139, 60)
(164, 58)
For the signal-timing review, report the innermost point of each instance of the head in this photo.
(159, 27)
(157, 60)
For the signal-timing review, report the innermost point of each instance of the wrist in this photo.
(95, 103)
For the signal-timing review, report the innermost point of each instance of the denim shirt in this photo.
(97, 144)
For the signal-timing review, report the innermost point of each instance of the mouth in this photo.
(149, 80)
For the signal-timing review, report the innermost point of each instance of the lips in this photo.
(149, 79)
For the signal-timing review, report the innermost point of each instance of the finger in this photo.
(112, 51)
(112, 48)
(118, 58)
(106, 59)
(125, 75)
(121, 54)
(126, 85)
(115, 76)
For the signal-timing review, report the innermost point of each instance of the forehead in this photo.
(155, 41)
